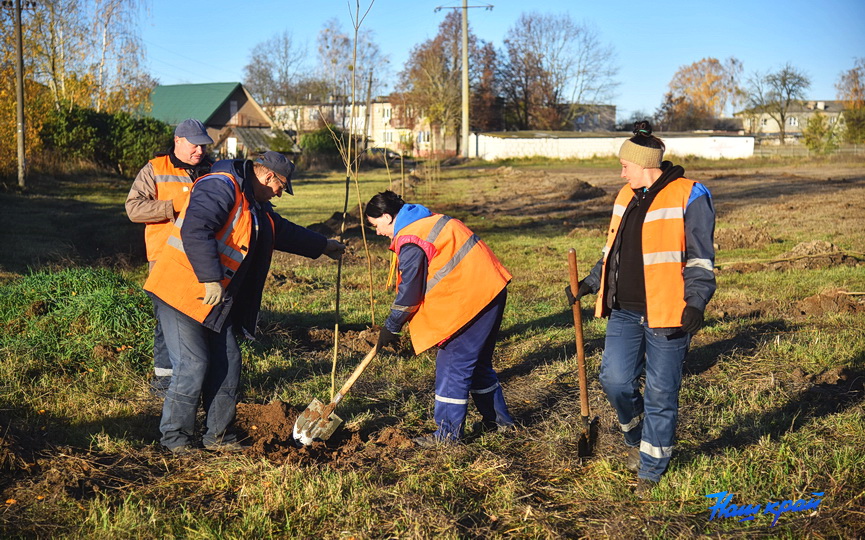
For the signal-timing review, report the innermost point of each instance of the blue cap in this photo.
(279, 164)
(193, 131)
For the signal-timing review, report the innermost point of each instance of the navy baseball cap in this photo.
(279, 164)
(193, 131)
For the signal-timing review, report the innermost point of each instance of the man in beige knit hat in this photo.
(653, 282)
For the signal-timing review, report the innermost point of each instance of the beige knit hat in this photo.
(648, 158)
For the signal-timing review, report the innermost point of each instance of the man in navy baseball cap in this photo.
(193, 131)
(279, 164)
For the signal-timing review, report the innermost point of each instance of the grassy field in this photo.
(771, 407)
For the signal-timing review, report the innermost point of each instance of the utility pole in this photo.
(464, 132)
(19, 92)
(465, 126)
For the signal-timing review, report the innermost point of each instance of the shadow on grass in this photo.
(37, 230)
(819, 399)
(705, 357)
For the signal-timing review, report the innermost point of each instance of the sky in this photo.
(200, 41)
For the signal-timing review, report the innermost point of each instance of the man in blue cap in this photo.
(158, 194)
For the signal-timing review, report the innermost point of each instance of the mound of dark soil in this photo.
(333, 225)
(583, 191)
(742, 237)
(827, 303)
(269, 430)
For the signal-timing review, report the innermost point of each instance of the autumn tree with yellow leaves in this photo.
(77, 54)
(699, 94)
(851, 90)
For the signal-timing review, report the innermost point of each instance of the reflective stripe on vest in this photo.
(664, 254)
(464, 277)
(170, 182)
(173, 279)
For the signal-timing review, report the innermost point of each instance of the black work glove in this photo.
(385, 338)
(582, 291)
(692, 320)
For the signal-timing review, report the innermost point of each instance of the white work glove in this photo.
(213, 293)
(334, 249)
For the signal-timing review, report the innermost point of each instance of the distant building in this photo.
(594, 118)
(237, 124)
(756, 123)
(386, 124)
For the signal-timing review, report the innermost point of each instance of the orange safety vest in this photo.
(464, 277)
(173, 279)
(170, 183)
(664, 254)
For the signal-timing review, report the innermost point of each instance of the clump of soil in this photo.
(583, 191)
(829, 302)
(742, 237)
(808, 249)
(333, 225)
(742, 309)
(837, 375)
(268, 429)
(357, 341)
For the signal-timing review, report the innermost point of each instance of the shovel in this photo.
(318, 421)
(590, 428)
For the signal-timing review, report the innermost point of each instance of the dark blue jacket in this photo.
(208, 211)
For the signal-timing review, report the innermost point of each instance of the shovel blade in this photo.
(588, 438)
(316, 423)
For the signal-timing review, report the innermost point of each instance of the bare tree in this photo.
(430, 81)
(271, 75)
(485, 101)
(342, 55)
(774, 93)
(553, 68)
(120, 80)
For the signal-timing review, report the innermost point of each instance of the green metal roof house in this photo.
(237, 124)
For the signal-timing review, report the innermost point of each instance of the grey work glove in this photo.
(213, 293)
(334, 249)
(692, 319)
(582, 291)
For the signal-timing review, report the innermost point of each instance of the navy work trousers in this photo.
(464, 365)
(647, 419)
(207, 368)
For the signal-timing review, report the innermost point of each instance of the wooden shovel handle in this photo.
(578, 330)
(357, 371)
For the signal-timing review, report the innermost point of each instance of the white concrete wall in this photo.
(492, 148)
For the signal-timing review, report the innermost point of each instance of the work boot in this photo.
(431, 441)
(233, 447)
(486, 426)
(644, 488)
(182, 450)
(633, 460)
